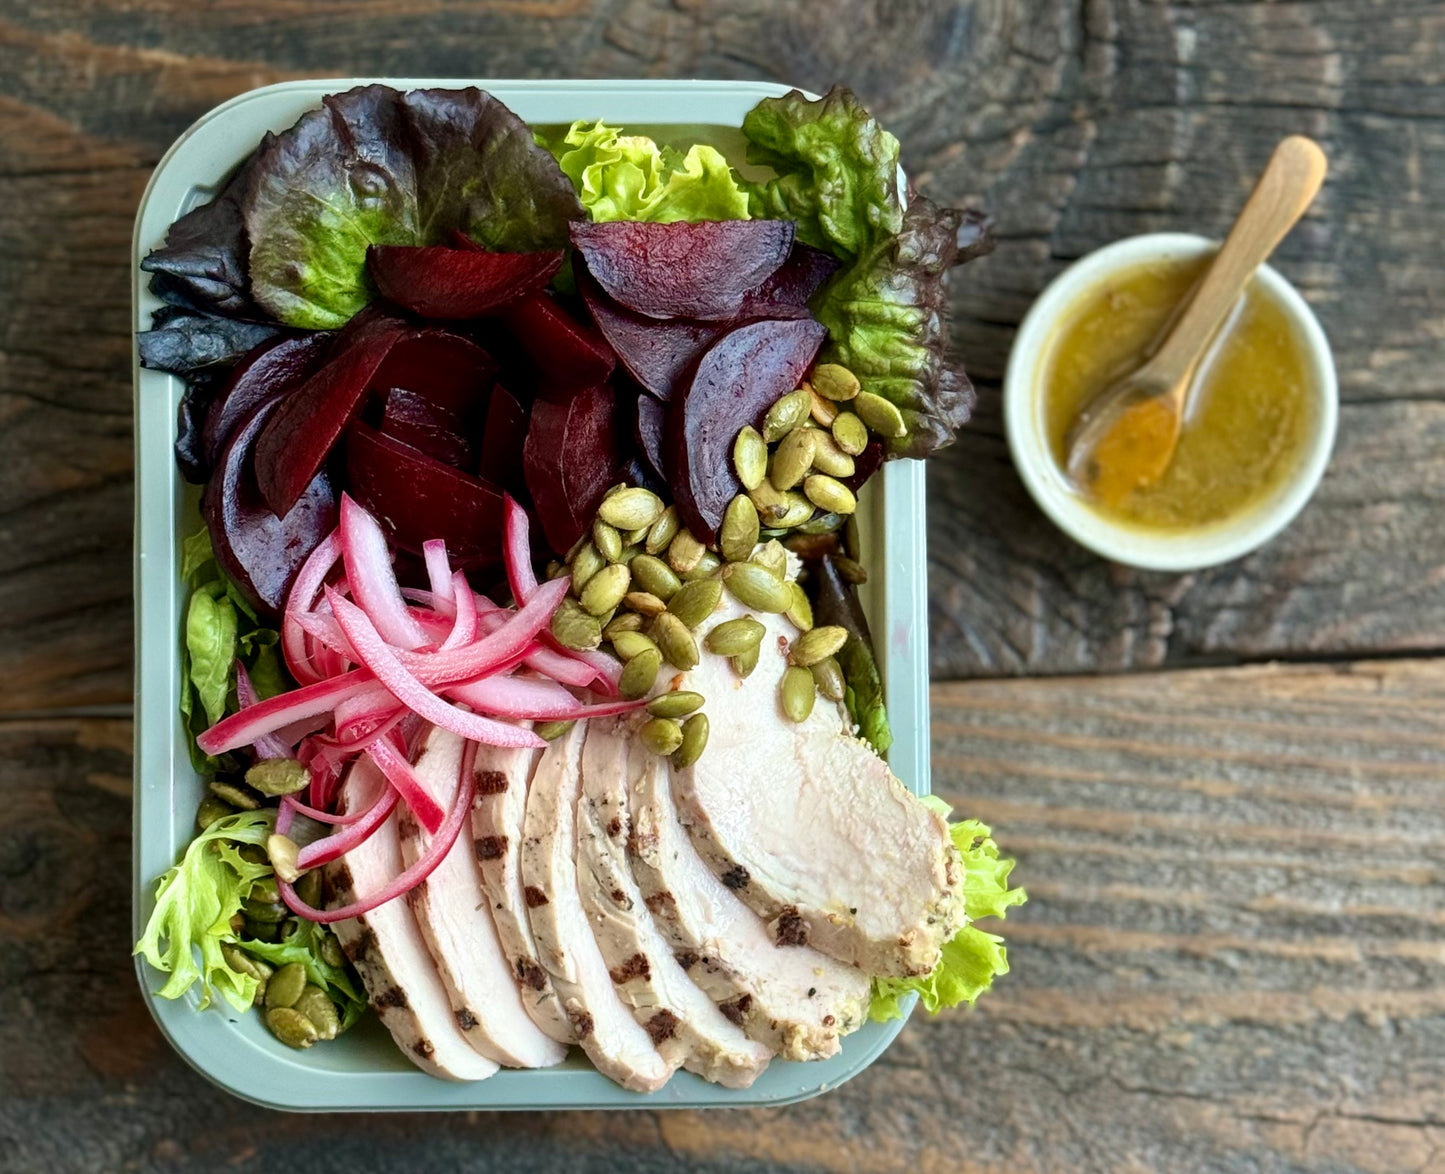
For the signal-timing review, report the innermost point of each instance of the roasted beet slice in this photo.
(415, 420)
(571, 458)
(440, 282)
(258, 550)
(736, 382)
(796, 280)
(503, 435)
(649, 426)
(865, 464)
(683, 270)
(451, 371)
(569, 354)
(417, 498)
(657, 352)
(298, 438)
(270, 370)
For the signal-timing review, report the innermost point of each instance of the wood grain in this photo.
(1076, 122)
(1231, 959)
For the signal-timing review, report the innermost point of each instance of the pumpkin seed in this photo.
(576, 548)
(744, 662)
(735, 637)
(629, 644)
(754, 586)
(283, 851)
(706, 568)
(604, 591)
(793, 458)
(830, 495)
(678, 645)
(786, 414)
(644, 603)
(588, 562)
(685, 552)
(630, 509)
(628, 621)
(654, 576)
(242, 963)
(661, 735)
(828, 676)
(636, 537)
(798, 693)
(286, 985)
(695, 601)
(772, 555)
(278, 776)
(834, 382)
(291, 1027)
(823, 411)
(262, 931)
(264, 893)
(551, 731)
(607, 540)
(331, 952)
(880, 415)
(235, 794)
(314, 1004)
(210, 810)
(678, 703)
(574, 628)
(556, 569)
(694, 741)
(820, 524)
(850, 433)
(829, 458)
(640, 673)
(851, 569)
(797, 509)
(813, 646)
(738, 533)
(750, 457)
(628, 554)
(852, 544)
(309, 888)
(663, 531)
(800, 607)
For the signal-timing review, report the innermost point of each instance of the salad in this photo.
(523, 660)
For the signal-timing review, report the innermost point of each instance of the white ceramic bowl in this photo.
(1024, 421)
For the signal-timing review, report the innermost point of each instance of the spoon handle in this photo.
(1284, 191)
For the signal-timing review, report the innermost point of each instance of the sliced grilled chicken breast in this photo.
(809, 826)
(387, 948)
(502, 779)
(793, 999)
(457, 924)
(677, 1014)
(614, 1041)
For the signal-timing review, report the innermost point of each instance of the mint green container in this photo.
(364, 1070)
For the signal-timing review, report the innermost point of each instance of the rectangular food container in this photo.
(364, 1070)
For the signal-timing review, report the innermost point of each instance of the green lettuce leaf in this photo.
(195, 902)
(303, 945)
(211, 648)
(378, 166)
(837, 170)
(972, 958)
(629, 177)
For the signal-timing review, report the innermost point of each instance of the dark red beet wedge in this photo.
(451, 371)
(865, 464)
(657, 352)
(650, 426)
(427, 426)
(440, 282)
(569, 354)
(258, 550)
(572, 457)
(737, 380)
(271, 370)
(298, 437)
(796, 280)
(682, 270)
(416, 498)
(503, 435)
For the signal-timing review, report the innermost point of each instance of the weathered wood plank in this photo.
(1231, 959)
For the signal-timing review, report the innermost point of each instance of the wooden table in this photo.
(1224, 789)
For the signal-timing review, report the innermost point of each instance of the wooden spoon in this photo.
(1125, 437)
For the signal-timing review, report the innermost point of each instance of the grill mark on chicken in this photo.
(361, 948)
(737, 1009)
(660, 904)
(614, 827)
(530, 975)
(466, 1019)
(340, 876)
(634, 967)
(391, 997)
(423, 1048)
(662, 1026)
(581, 1023)
(619, 898)
(491, 782)
(687, 959)
(490, 848)
(736, 877)
(789, 927)
(534, 897)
